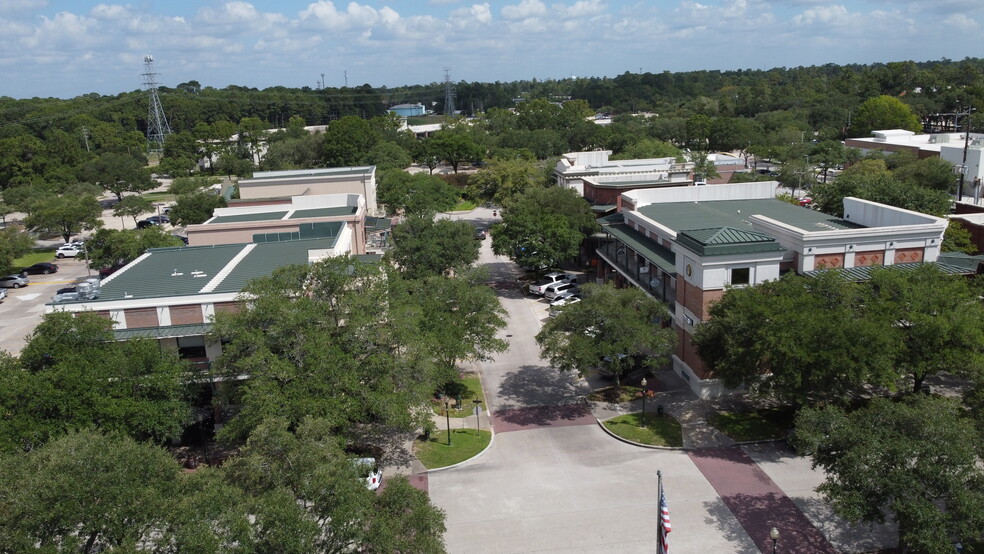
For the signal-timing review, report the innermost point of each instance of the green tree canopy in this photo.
(14, 243)
(326, 340)
(65, 214)
(455, 145)
(543, 227)
(880, 113)
(915, 461)
(72, 375)
(613, 323)
(347, 140)
(194, 208)
(118, 173)
(419, 193)
(109, 247)
(132, 206)
(424, 246)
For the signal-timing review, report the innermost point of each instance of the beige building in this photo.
(266, 185)
(240, 224)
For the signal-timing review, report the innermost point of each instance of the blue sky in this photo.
(65, 48)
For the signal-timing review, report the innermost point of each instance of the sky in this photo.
(66, 48)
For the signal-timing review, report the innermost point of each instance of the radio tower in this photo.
(448, 94)
(157, 127)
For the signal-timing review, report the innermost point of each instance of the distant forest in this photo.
(823, 95)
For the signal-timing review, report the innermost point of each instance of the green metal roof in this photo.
(334, 211)
(959, 259)
(171, 331)
(378, 223)
(264, 216)
(187, 270)
(864, 273)
(685, 216)
(602, 208)
(721, 241)
(656, 253)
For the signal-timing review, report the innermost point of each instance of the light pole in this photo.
(963, 172)
(644, 391)
(447, 414)
(774, 535)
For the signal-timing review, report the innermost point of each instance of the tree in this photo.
(14, 243)
(347, 140)
(914, 461)
(326, 340)
(463, 317)
(937, 321)
(118, 173)
(503, 178)
(189, 185)
(133, 206)
(801, 339)
(883, 112)
(648, 148)
(65, 214)
(311, 498)
(617, 324)
(109, 247)
(415, 194)
(72, 375)
(195, 208)
(387, 155)
(455, 146)
(543, 227)
(85, 492)
(932, 173)
(957, 238)
(424, 246)
(828, 154)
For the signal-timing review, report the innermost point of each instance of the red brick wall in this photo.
(687, 352)
(228, 307)
(695, 299)
(141, 317)
(908, 255)
(185, 315)
(869, 258)
(828, 261)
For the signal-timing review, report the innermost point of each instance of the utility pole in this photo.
(963, 167)
(346, 77)
(322, 81)
(448, 94)
(85, 137)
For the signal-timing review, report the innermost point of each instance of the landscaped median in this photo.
(469, 391)
(654, 430)
(435, 452)
(754, 425)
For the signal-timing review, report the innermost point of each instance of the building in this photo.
(265, 186)
(238, 224)
(574, 168)
(408, 110)
(687, 245)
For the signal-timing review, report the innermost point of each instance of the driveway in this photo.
(22, 310)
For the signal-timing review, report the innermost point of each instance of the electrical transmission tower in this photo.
(448, 93)
(157, 127)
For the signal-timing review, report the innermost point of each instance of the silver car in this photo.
(14, 281)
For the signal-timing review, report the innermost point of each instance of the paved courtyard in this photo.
(554, 481)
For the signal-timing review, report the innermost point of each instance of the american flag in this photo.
(664, 524)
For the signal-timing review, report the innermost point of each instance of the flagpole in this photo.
(659, 510)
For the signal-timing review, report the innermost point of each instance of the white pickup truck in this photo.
(541, 285)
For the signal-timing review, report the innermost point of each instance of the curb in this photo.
(639, 444)
(462, 462)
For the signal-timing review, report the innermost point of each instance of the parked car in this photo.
(556, 289)
(183, 238)
(481, 233)
(107, 271)
(67, 251)
(158, 219)
(14, 281)
(565, 298)
(3, 294)
(144, 223)
(369, 470)
(540, 286)
(43, 268)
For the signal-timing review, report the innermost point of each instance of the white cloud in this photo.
(960, 22)
(110, 12)
(323, 14)
(581, 8)
(16, 7)
(526, 9)
(476, 13)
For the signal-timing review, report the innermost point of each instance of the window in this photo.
(741, 276)
(191, 347)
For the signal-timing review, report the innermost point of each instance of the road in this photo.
(553, 481)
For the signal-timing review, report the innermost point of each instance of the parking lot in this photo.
(23, 307)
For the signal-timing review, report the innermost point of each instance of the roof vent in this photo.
(176, 273)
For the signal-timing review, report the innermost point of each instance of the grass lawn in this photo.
(625, 393)
(474, 392)
(465, 443)
(464, 206)
(158, 196)
(657, 431)
(35, 256)
(761, 424)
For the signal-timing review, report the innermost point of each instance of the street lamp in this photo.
(447, 414)
(774, 535)
(644, 390)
